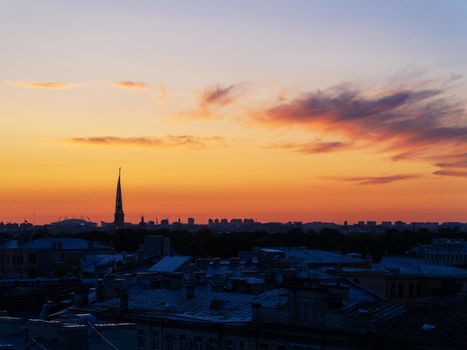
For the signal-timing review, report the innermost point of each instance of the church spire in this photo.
(119, 216)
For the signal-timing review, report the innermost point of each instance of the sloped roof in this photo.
(67, 243)
(170, 263)
(318, 256)
(11, 244)
(414, 266)
(438, 322)
(205, 306)
(90, 261)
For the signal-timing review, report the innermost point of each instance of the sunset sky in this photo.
(274, 110)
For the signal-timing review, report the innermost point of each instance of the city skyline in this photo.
(120, 223)
(274, 111)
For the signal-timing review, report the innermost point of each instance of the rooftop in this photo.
(66, 244)
(435, 321)
(317, 256)
(414, 266)
(205, 306)
(170, 263)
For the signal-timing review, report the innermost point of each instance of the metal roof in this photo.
(318, 256)
(414, 266)
(67, 244)
(205, 306)
(11, 244)
(439, 322)
(170, 263)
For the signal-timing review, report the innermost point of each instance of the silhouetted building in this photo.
(71, 226)
(119, 217)
(156, 246)
(443, 251)
(77, 332)
(46, 256)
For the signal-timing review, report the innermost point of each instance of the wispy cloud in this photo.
(156, 142)
(407, 122)
(379, 180)
(314, 146)
(219, 95)
(132, 85)
(44, 85)
(163, 92)
(212, 101)
(454, 172)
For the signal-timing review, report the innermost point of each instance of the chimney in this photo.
(190, 291)
(255, 312)
(99, 290)
(124, 302)
(80, 297)
(57, 245)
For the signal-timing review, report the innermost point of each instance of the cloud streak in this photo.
(169, 141)
(379, 180)
(314, 146)
(43, 85)
(211, 100)
(220, 96)
(163, 92)
(131, 85)
(422, 123)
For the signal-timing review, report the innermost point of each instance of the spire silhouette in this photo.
(119, 217)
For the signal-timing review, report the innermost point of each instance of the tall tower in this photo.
(119, 216)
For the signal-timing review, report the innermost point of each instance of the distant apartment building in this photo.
(195, 317)
(79, 333)
(71, 226)
(156, 246)
(45, 256)
(444, 251)
(404, 279)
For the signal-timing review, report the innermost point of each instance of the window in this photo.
(212, 344)
(400, 290)
(169, 342)
(154, 340)
(308, 313)
(411, 290)
(182, 343)
(319, 311)
(32, 257)
(197, 343)
(243, 345)
(393, 290)
(141, 342)
(228, 345)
